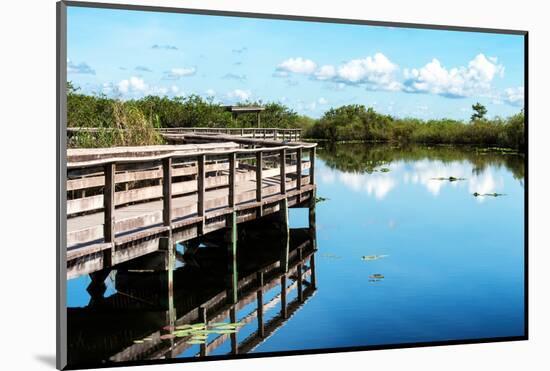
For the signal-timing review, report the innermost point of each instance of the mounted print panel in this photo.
(236, 185)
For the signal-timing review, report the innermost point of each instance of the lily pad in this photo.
(384, 170)
(376, 276)
(373, 257)
(195, 342)
(167, 336)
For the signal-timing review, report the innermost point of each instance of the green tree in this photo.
(479, 111)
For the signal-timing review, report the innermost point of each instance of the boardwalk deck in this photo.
(120, 208)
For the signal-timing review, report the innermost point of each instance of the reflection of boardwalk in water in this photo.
(128, 325)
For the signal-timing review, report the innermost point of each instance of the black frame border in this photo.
(61, 162)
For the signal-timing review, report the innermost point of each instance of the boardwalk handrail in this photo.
(180, 155)
(285, 134)
(182, 181)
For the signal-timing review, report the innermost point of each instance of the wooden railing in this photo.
(287, 135)
(190, 185)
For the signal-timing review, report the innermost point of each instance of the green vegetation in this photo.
(139, 118)
(356, 122)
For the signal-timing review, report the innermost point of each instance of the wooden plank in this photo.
(85, 235)
(80, 205)
(138, 194)
(138, 222)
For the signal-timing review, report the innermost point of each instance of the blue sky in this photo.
(308, 66)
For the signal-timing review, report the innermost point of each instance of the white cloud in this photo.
(239, 94)
(325, 72)
(377, 71)
(296, 65)
(80, 68)
(132, 85)
(210, 93)
(322, 101)
(434, 78)
(514, 96)
(180, 72)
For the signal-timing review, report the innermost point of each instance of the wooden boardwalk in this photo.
(125, 203)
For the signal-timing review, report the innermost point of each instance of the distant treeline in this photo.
(346, 123)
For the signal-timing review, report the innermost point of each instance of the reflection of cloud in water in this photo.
(485, 183)
(374, 184)
(425, 171)
(420, 172)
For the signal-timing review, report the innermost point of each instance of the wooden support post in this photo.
(299, 271)
(259, 168)
(264, 133)
(203, 319)
(285, 231)
(232, 293)
(299, 168)
(312, 268)
(232, 178)
(258, 119)
(233, 319)
(167, 191)
(109, 212)
(284, 311)
(201, 179)
(312, 165)
(97, 286)
(282, 167)
(312, 221)
(260, 303)
(242, 132)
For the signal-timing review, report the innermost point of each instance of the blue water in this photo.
(452, 263)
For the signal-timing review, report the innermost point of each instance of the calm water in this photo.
(450, 264)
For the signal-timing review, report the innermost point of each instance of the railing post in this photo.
(259, 160)
(242, 132)
(284, 312)
(167, 191)
(203, 319)
(109, 202)
(201, 178)
(232, 178)
(312, 165)
(282, 167)
(260, 303)
(312, 268)
(299, 272)
(259, 176)
(109, 212)
(299, 168)
(264, 132)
